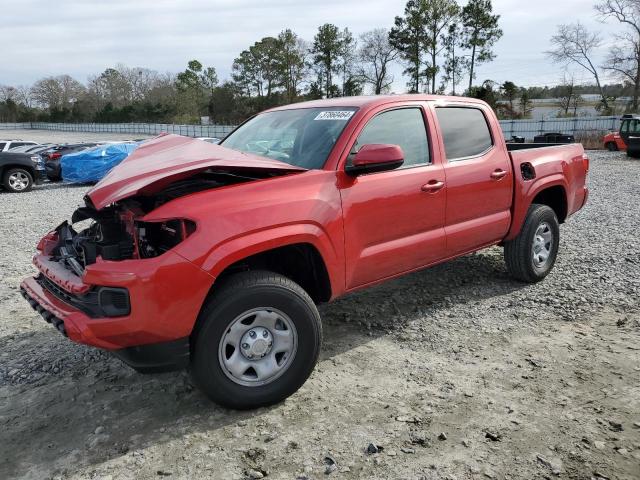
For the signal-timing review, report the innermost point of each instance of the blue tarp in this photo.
(89, 166)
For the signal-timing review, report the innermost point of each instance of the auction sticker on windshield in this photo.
(334, 115)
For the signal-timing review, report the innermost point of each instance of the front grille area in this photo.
(48, 316)
(87, 303)
(96, 303)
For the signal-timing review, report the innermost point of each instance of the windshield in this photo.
(303, 137)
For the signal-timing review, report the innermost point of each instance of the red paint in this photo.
(376, 154)
(168, 158)
(366, 228)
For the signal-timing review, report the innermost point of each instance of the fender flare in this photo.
(237, 248)
(527, 195)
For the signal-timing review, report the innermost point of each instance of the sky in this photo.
(40, 38)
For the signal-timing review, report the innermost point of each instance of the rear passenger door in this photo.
(478, 176)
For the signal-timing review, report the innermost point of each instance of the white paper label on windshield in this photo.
(334, 115)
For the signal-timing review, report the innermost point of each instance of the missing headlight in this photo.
(156, 238)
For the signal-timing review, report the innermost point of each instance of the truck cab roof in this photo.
(375, 100)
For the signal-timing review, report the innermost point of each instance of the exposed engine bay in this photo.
(116, 233)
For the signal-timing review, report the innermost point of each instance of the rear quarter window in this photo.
(465, 132)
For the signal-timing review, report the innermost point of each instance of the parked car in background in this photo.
(20, 171)
(554, 137)
(629, 126)
(213, 140)
(91, 165)
(9, 144)
(53, 155)
(215, 256)
(38, 148)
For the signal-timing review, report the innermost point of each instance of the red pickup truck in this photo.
(215, 256)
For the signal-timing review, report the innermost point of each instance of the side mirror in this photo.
(375, 158)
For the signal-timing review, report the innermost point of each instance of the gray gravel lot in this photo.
(458, 372)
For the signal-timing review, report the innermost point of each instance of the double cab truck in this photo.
(214, 257)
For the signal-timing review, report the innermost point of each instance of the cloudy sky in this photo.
(82, 37)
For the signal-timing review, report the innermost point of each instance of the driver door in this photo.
(394, 220)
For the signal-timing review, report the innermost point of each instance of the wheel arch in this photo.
(550, 191)
(314, 276)
(9, 166)
(555, 197)
(301, 262)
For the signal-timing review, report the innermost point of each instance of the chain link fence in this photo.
(15, 126)
(581, 127)
(217, 131)
(577, 126)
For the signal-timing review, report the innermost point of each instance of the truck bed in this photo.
(542, 166)
(525, 146)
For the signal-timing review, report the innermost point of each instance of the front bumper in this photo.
(39, 177)
(166, 294)
(53, 170)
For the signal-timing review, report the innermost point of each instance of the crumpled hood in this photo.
(168, 158)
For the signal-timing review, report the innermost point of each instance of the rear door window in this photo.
(2, 145)
(465, 132)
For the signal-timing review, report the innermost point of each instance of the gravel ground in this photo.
(456, 372)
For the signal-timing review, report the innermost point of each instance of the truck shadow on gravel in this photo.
(66, 404)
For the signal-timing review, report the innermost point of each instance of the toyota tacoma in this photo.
(214, 257)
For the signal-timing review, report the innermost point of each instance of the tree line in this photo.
(574, 45)
(438, 42)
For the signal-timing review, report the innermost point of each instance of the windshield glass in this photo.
(303, 137)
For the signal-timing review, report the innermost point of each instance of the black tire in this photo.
(612, 147)
(237, 295)
(8, 180)
(518, 253)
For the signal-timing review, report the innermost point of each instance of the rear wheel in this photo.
(611, 146)
(531, 255)
(257, 341)
(17, 180)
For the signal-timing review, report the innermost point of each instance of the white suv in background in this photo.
(8, 144)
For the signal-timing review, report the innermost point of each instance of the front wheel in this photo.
(17, 180)
(612, 147)
(257, 341)
(531, 255)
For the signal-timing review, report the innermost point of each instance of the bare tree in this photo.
(375, 55)
(623, 58)
(574, 44)
(23, 95)
(57, 92)
(7, 92)
(568, 97)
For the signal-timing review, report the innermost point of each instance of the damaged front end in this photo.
(110, 277)
(119, 232)
(115, 233)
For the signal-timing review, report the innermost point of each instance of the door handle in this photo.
(498, 174)
(433, 186)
